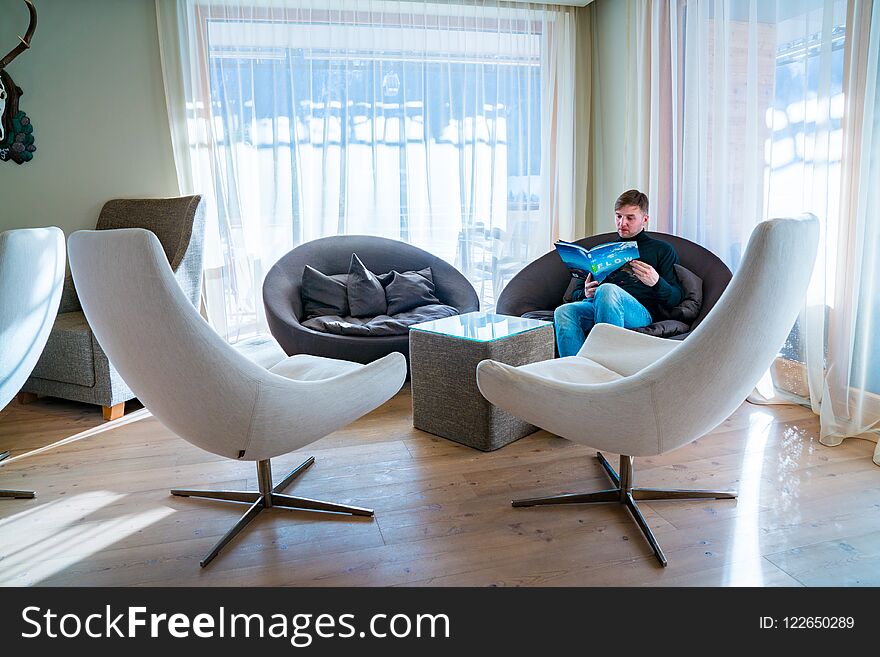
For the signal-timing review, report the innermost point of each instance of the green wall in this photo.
(92, 85)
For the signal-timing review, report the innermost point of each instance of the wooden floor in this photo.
(806, 515)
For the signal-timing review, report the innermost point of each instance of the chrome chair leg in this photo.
(657, 494)
(18, 494)
(245, 496)
(306, 504)
(611, 495)
(627, 495)
(646, 530)
(243, 522)
(266, 498)
(15, 494)
(609, 470)
(293, 474)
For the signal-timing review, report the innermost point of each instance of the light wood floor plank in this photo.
(806, 514)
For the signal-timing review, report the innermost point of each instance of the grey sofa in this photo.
(539, 288)
(332, 255)
(73, 365)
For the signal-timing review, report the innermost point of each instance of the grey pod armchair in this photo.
(206, 391)
(332, 255)
(639, 395)
(73, 365)
(539, 288)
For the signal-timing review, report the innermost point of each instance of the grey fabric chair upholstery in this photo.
(538, 289)
(31, 273)
(73, 365)
(332, 255)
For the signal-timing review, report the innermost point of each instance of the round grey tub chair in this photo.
(332, 255)
(538, 289)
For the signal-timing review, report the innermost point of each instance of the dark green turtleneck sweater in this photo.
(661, 256)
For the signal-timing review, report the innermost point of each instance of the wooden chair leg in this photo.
(26, 397)
(113, 412)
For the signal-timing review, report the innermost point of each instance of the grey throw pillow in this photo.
(573, 285)
(322, 294)
(366, 296)
(385, 279)
(692, 300)
(666, 328)
(409, 290)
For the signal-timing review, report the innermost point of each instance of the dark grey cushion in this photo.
(322, 294)
(665, 328)
(410, 289)
(366, 296)
(386, 278)
(692, 300)
(381, 325)
(574, 284)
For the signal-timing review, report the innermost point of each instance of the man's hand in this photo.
(590, 286)
(645, 273)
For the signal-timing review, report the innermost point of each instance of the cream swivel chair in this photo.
(31, 278)
(205, 390)
(637, 395)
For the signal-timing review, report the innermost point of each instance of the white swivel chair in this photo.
(31, 278)
(637, 395)
(205, 390)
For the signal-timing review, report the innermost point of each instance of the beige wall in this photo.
(92, 85)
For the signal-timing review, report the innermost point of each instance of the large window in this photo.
(424, 127)
(756, 96)
(803, 155)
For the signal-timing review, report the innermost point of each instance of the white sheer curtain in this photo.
(849, 404)
(443, 124)
(768, 108)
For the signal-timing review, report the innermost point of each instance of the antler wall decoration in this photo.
(16, 131)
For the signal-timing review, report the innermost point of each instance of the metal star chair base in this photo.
(267, 497)
(624, 493)
(17, 494)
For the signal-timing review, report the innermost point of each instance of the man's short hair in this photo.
(632, 197)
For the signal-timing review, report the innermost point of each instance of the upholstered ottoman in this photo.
(443, 359)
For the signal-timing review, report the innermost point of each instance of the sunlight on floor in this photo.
(744, 562)
(39, 545)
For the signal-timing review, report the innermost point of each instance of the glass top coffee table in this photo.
(443, 361)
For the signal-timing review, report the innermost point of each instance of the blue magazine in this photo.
(599, 261)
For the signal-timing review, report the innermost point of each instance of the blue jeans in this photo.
(610, 305)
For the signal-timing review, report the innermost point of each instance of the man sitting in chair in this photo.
(630, 296)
